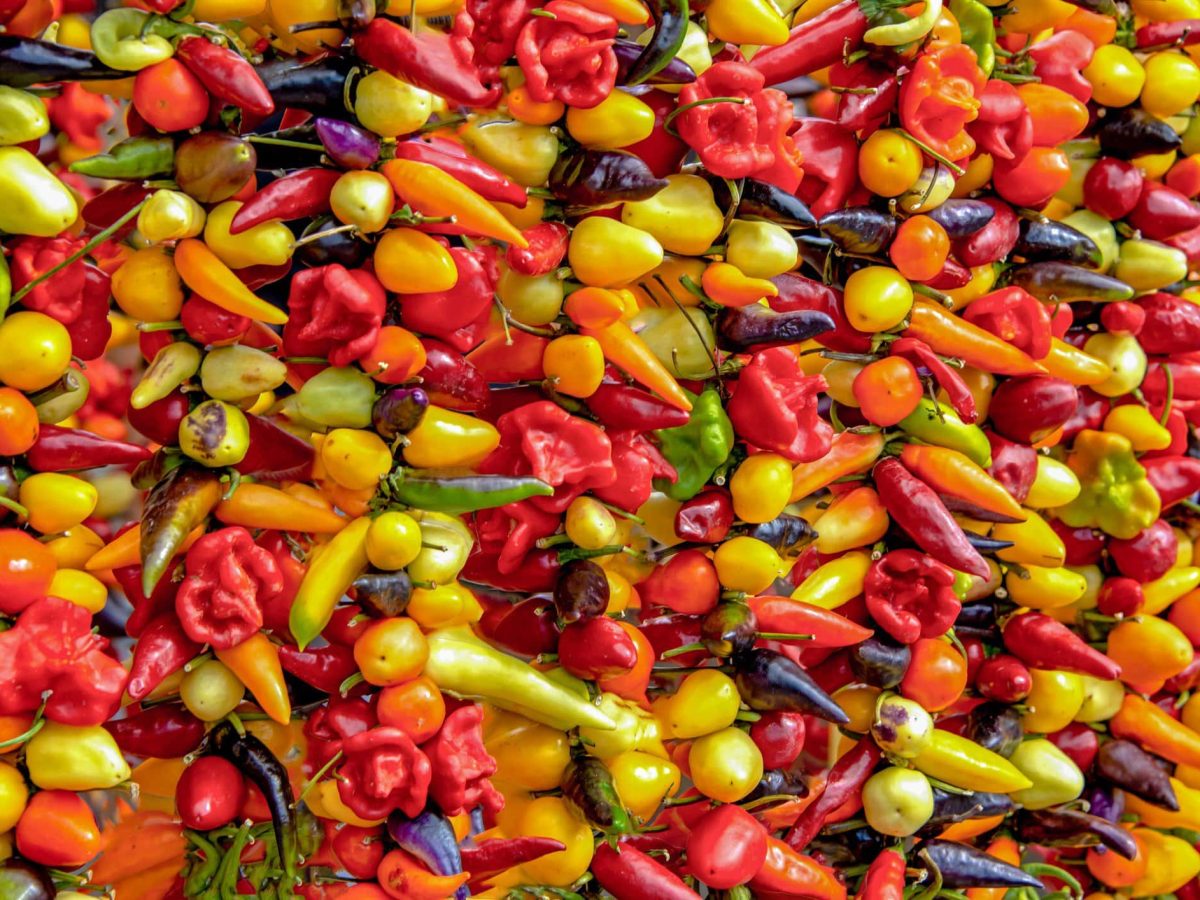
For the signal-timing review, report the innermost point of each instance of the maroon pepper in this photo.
(1045, 643)
(1171, 325)
(1174, 477)
(59, 449)
(538, 571)
(621, 406)
(920, 512)
(1078, 742)
(1004, 127)
(1120, 596)
(162, 649)
(167, 731)
(596, 648)
(706, 518)
(1163, 212)
(275, 454)
(797, 292)
(1149, 554)
(226, 75)
(436, 62)
(815, 44)
(1112, 187)
(994, 240)
(872, 94)
(846, 779)
(629, 874)
(325, 668)
(919, 353)
(451, 158)
(1029, 408)
(298, 195)
(1013, 465)
(492, 856)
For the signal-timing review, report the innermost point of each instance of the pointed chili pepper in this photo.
(630, 874)
(495, 855)
(329, 576)
(624, 407)
(814, 44)
(826, 627)
(166, 731)
(963, 484)
(947, 378)
(255, 662)
(162, 649)
(462, 494)
(768, 680)
(261, 506)
(1132, 769)
(1045, 643)
(849, 454)
(628, 352)
(1074, 828)
(752, 327)
(226, 74)
(205, 274)
(1175, 478)
(298, 195)
(588, 786)
(595, 177)
(1004, 127)
(437, 62)
(452, 158)
(916, 508)
(962, 866)
(325, 668)
(59, 449)
(952, 335)
(844, 783)
(1143, 722)
(176, 505)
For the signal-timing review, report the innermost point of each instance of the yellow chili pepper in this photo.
(1162, 592)
(205, 274)
(747, 22)
(329, 575)
(620, 119)
(447, 439)
(606, 253)
(1054, 485)
(75, 758)
(1187, 816)
(433, 192)
(256, 664)
(1135, 422)
(727, 285)
(1035, 543)
(628, 352)
(1171, 862)
(836, 582)
(961, 762)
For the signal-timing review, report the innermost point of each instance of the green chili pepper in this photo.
(460, 494)
(978, 30)
(697, 448)
(201, 870)
(941, 426)
(588, 785)
(133, 158)
(176, 505)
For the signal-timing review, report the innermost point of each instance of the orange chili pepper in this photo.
(849, 454)
(432, 192)
(727, 285)
(256, 664)
(1142, 721)
(628, 352)
(594, 307)
(125, 549)
(788, 872)
(950, 472)
(262, 506)
(1185, 175)
(952, 335)
(204, 273)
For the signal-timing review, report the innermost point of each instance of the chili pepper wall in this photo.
(595, 449)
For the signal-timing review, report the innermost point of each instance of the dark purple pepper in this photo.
(348, 145)
(399, 411)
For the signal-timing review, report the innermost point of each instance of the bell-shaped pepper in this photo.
(333, 312)
(911, 596)
(461, 765)
(383, 770)
(940, 96)
(696, 449)
(639, 463)
(775, 407)
(1116, 495)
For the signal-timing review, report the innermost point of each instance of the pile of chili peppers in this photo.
(597, 449)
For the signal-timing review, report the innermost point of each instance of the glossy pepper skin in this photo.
(435, 61)
(1117, 496)
(1042, 642)
(699, 447)
(176, 505)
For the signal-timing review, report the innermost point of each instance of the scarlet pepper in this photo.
(444, 313)
(1045, 643)
(492, 27)
(332, 723)
(333, 312)
(940, 96)
(569, 55)
(60, 449)
(218, 602)
(741, 137)
(1004, 127)
(383, 770)
(162, 649)
(830, 155)
(60, 295)
(78, 113)
(91, 330)
(52, 648)
(547, 247)
(911, 596)
(775, 407)
(226, 74)
(437, 62)
(1059, 61)
(461, 766)
(298, 195)
(921, 354)
(845, 782)
(1014, 314)
(639, 463)
(872, 97)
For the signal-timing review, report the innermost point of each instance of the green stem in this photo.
(317, 776)
(933, 154)
(706, 101)
(16, 507)
(82, 251)
(281, 142)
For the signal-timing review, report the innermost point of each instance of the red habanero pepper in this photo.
(830, 155)
(383, 771)
(1180, 33)
(629, 874)
(787, 616)
(860, 111)
(59, 449)
(1014, 314)
(333, 723)
(325, 668)
(60, 295)
(436, 62)
(815, 44)
(167, 731)
(461, 766)
(639, 462)
(453, 159)
(1059, 61)
(596, 648)
(1175, 478)
(207, 323)
(706, 519)
(919, 353)
(1004, 127)
(547, 247)
(1171, 324)
(569, 54)
(145, 610)
(911, 596)
(775, 407)
(161, 650)
(920, 512)
(218, 602)
(492, 28)
(333, 312)
(1045, 643)
(621, 406)
(940, 96)
(91, 330)
(885, 877)
(845, 781)
(226, 75)
(298, 195)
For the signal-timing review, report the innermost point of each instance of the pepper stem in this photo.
(933, 154)
(82, 251)
(317, 776)
(20, 510)
(705, 101)
(281, 142)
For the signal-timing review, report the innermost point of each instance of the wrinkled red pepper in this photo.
(461, 766)
(830, 155)
(61, 295)
(911, 596)
(940, 96)
(639, 463)
(1004, 127)
(383, 770)
(492, 27)
(218, 602)
(1059, 61)
(547, 247)
(333, 722)
(775, 407)
(569, 55)
(333, 312)
(437, 62)
(1015, 315)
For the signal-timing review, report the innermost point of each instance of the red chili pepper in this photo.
(1174, 477)
(226, 74)
(103, 210)
(489, 857)
(1163, 212)
(325, 668)
(442, 313)
(1004, 127)
(60, 295)
(815, 44)
(333, 312)
(537, 572)
(451, 380)
(91, 330)
(994, 240)
(1013, 465)
(706, 519)
(727, 847)
(830, 154)
(1015, 315)
(275, 454)
(492, 29)
(569, 55)
(160, 602)
(629, 874)
(490, 183)
(920, 512)
(919, 353)
(166, 731)
(527, 627)
(640, 462)
(596, 648)
(845, 782)
(775, 407)
(1045, 643)
(1180, 33)
(437, 62)
(461, 766)
(59, 449)
(911, 596)
(885, 877)
(161, 650)
(1170, 324)
(779, 736)
(547, 247)
(333, 723)
(621, 406)
(383, 771)
(871, 98)
(940, 96)
(1059, 61)
(218, 601)
(298, 195)
(787, 616)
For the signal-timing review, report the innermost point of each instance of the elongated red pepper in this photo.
(885, 877)
(325, 668)
(145, 610)
(1181, 32)
(629, 874)
(431, 60)
(162, 649)
(828, 628)
(1045, 643)
(452, 158)
(504, 853)
(917, 509)
(226, 74)
(168, 731)
(815, 44)
(297, 195)
(59, 449)
(919, 353)
(1174, 477)
(622, 406)
(845, 781)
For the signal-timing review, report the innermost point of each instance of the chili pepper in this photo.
(312, 84)
(1132, 769)
(845, 782)
(467, 493)
(1174, 478)
(1059, 62)
(1180, 32)
(774, 407)
(497, 854)
(162, 649)
(1162, 212)
(963, 866)
(226, 75)
(132, 158)
(884, 878)
(297, 195)
(747, 327)
(696, 449)
(25, 62)
(849, 453)
(261, 506)
(920, 512)
(588, 786)
(1072, 828)
(1171, 324)
(431, 60)
(429, 837)
(950, 808)
(1144, 723)
(1131, 131)
(404, 876)
(629, 874)
(939, 96)
(327, 579)
(962, 762)
(628, 352)
(705, 518)
(451, 158)
(586, 177)
(621, 406)
(830, 155)
(461, 663)
(325, 668)
(59, 449)
(176, 505)
(859, 229)
(256, 761)
(1030, 408)
(383, 771)
(993, 241)
(1044, 643)
(205, 274)
(581, 76)
(433, 192)
(768, 680)
(962, 484)
(814, 44)
(766, 201)
(1117, 495)
(165, 732)
(1059, 281)
(911, 596)
(947, 378)
(872, 96)
(1016, 316)
(952, 335)
(255, 661)
(827, 628)
(879, 662)
(461, 766)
